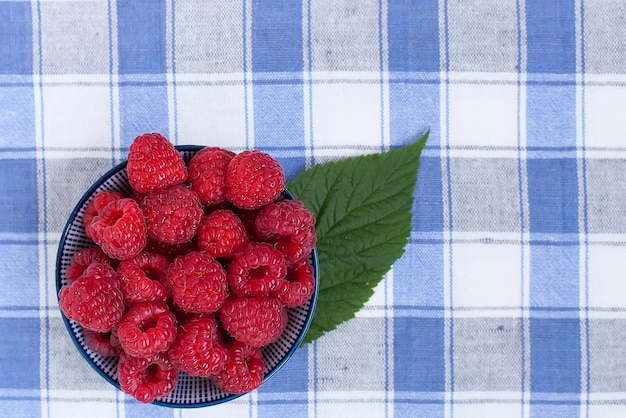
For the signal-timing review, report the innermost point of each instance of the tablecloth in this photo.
(510, 298)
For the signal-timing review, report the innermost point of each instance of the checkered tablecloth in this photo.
(510, 300)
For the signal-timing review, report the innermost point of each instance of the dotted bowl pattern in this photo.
(190, 391)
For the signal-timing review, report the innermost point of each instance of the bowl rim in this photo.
(63, 238)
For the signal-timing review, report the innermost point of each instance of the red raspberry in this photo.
(221, 234)
(253, 179)
(244, 370)
(197, 283)
(120, 229)
(290, 226)
(146, 329)
(198, 348)
(299, 284)
(83, 259)
(257, 270)
(142, 278)
(256, 321)
(146, 378)
(94, 300)
(154, 164)
(172, 215)
(95, 207)
(100, 343)
(207, 174)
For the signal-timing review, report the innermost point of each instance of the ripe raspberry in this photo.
(299, 284)
(244, 370)
(172, 215)
(221, 234)
(146, 378)
(198, 348)
(120, 229)
(256, 321)
(197, 283)
(142, 278)
(83, 259)
(290, 226)
(253, 179)
(154, 164)
(95, 207)
(256, 270)
(207, 174)
(146, 329)
(100, 343)
(94, 300)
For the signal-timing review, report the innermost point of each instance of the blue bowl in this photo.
(190, 392)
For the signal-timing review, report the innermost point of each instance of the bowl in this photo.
(190, 392)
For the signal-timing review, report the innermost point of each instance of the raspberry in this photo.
(94, 300)
(93, 209)
(154, 164)
(83, 259)
(290, 226)
(299, 284)
(256, 270)
(146, 378)
(100, 343)
(172, 215)
(253, 179)
(120, 229)
(197, 283)
(198, 348)
(256, 321)
(207, 174)
(221, 234)
(244, 370)
(142, 278)
(146, 329)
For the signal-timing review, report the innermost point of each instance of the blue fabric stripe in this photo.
(554, 276)
(16, 38)
(418, 355)
(551, 36)
(553, 195)
(19, 355)
(413, 110)
(541, 410)
(277, 36)
(555, 355)
(141, 36)
(413, 29)
(141, 51)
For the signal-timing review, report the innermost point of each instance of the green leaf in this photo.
(363, 210)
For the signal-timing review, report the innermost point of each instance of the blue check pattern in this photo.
(509, 300)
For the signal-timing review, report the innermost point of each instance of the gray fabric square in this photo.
(66, 366)
(605, 36)
(485, 195)
(606, 194)
(487, 354)
(354, 357)
(344, 35)
(608, 362)
(75, 37)
(66, 181)
(209, 38)
(482, 35)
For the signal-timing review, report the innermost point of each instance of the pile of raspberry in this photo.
(194, 271)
